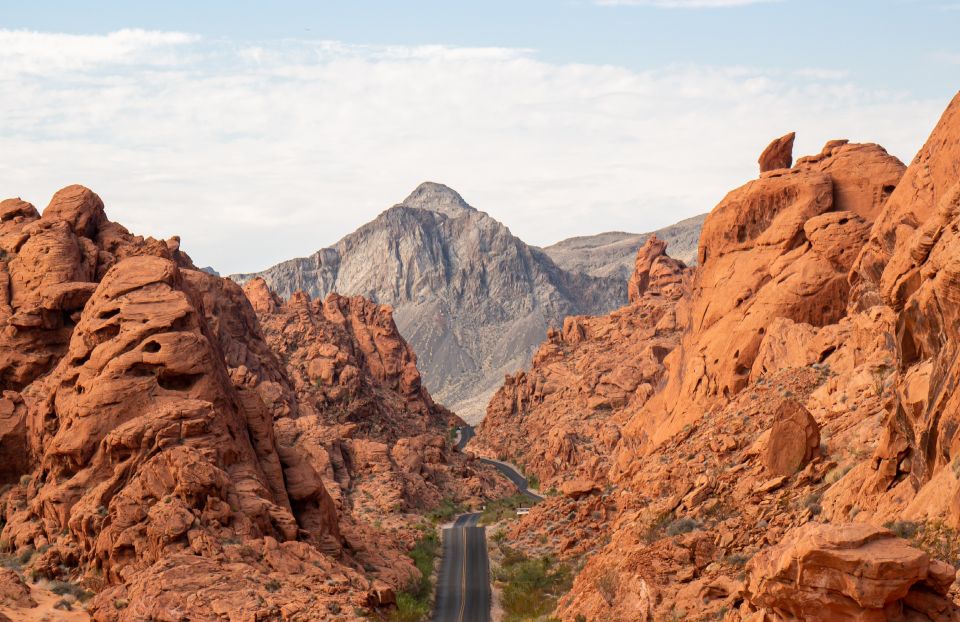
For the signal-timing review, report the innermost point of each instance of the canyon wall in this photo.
(797, 457)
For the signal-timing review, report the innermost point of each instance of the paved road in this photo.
(466, 434)
(463, 588)
(507, 470)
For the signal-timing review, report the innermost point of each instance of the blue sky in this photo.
(893, 44)
(281, 126)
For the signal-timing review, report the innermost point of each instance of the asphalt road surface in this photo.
(463, 588)
(508, 471)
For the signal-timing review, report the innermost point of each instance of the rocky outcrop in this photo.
(155, 449)
(369, 426)
(778, 247)
(910, 265)
(473, 300)
(583, 380)
(655, 272)
(612, 254)
(848, 572)
(810, 401)
(778, 154)
(793, 440)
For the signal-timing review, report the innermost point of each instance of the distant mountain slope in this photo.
(611, 254)
(473, 300)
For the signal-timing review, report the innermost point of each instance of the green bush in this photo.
(413, 603)
(410, 608)
(447, 509)
(531, 587)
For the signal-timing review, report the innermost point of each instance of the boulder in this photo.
(13, 591)
(825, 572)
(576, 488)
(793, 440)
(778, 154)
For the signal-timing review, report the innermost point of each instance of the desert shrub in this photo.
(272, 585)
(903, 529)
(413, 603)
(681, 526)
(63, 604)
(657, 526)
(738, 560)
(834, 475)
(63, 588)
(26, 555)
(531, 587)
(933, 537)
(410, 608)
(447, 509)
(606, 584)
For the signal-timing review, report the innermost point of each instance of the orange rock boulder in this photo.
(821, 573)
(793, 440)
(778, 154)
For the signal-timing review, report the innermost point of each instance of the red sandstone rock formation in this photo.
(778, 247)
(572, 400)
(778, 154)
(368, 424)
(155, 449)
(811, 400)
(822, 573)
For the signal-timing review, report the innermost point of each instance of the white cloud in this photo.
(24, 51)
(683, 4)
(257, 152)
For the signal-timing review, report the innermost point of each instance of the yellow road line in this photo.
(463, 581)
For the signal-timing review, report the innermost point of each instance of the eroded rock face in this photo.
(911, 265)
(575, 396)
(156, 449)
(778, 154)
(849, 572)
(778, 247)
(367, 424)
(811, 400)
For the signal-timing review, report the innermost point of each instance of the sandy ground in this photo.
(45, 611)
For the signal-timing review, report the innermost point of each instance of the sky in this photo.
(260, 131)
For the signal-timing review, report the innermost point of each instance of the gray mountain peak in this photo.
(438, 198)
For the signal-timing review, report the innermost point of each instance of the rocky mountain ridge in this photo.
(472, 299)
(612, 254)
(797, 457)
